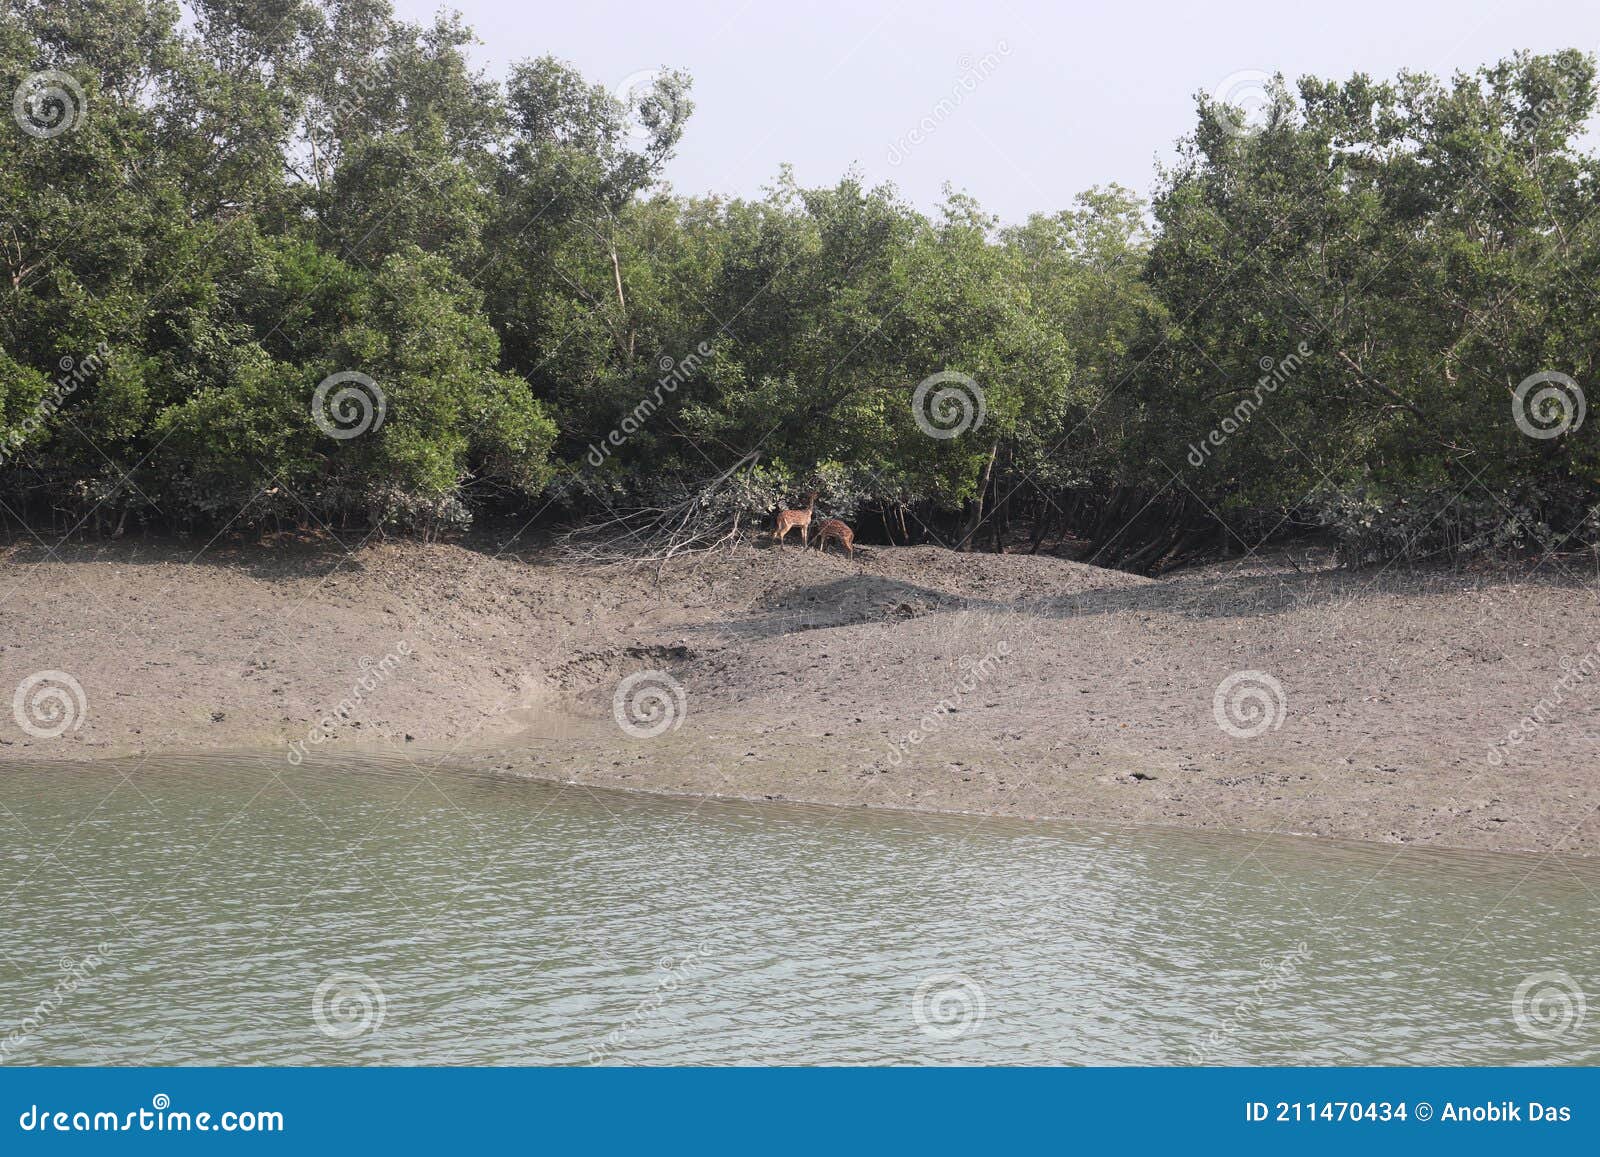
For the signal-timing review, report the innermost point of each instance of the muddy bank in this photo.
(1433, 708)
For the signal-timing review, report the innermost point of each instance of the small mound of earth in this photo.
(1009, 576)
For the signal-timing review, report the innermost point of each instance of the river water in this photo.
(236, 910)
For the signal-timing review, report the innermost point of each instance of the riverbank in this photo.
(1403, 707)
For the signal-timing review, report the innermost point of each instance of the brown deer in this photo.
(789, 519)
(833, 528)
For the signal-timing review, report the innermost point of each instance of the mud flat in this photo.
(1410, 707)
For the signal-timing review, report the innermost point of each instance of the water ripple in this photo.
(466, 919)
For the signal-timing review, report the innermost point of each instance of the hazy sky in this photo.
(1075, 94)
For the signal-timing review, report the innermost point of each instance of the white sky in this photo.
(1081, 93)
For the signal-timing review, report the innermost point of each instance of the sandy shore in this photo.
(1407, 707)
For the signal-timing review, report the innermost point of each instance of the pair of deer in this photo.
(826, 529)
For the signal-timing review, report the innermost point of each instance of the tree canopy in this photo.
(300, 261)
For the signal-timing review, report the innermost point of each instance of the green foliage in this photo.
(1428, 244)
(233, 220)
(1320, 323)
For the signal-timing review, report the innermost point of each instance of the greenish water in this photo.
(239, 911)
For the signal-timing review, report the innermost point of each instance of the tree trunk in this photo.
(1002, 517)
(1041, 526)
(975, 518)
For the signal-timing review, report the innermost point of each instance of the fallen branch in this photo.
(705, 519)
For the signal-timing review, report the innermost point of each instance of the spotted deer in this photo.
(789, 519)
(833, 528)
